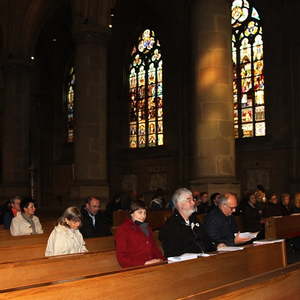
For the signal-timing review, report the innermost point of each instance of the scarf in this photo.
(143, 226)
(30, 221)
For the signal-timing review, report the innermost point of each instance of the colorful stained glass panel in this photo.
(247, 115)
(248, 71)
(259, 97)
(146, 93)
(247, 130)
(260, 113)
(260, 129)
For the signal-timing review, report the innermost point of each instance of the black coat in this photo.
(272, 210)
(203, 208)
(178, 238)
(286, 210)
(220, 228)
(7, 218)
(87, 228)
(251, 218)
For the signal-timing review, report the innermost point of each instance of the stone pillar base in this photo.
(80, 191)
(217, 185)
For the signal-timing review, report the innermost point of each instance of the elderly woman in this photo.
(26, 222)
(135, 244)
(66, 238)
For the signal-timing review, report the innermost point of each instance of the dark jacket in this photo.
(87, 228)
(272, 210)
(203, 208)
(177, 237)
(7, 218)
(295, 210)
(133, 246)
(251, 218)
(220, 228)
(286, 210)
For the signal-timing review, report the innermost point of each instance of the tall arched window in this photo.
(69, 105)
(146, 93)
(248, 71)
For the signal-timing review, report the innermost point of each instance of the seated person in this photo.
(65, 238)
(273, 207)
(286, 206)
(26, 222)
(182, 233)
(11, 211)
(220, 224)
(94, 223)
(214, 198)
(135, 244)
(296, 206)
(157, 201)
(252, 216)
(203, 206)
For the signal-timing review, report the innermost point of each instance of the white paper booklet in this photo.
(248, 235)
(186, 256)
(262, 242)
(230, 248)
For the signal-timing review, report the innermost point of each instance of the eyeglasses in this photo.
(231, 208)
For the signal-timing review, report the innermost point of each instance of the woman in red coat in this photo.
(135, 244)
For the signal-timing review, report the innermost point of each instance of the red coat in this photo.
(133, 247)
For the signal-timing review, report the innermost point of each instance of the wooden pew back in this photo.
(22, 252)
(42, 270)
(282, 227)
(165, 281)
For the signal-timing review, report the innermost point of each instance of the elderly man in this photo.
(220, 224)
(94, 224)
(182, 233)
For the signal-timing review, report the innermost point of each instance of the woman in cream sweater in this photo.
(65, 238)
(25, 222)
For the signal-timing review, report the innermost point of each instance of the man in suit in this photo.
(94, 223)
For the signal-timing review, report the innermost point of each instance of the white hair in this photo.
(180, 195)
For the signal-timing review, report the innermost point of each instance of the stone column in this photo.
(90, 115)
(15, 146)
(212, 166)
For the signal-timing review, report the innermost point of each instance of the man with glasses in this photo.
(220, 224)
(94, 223)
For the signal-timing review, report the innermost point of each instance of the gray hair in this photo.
(224, 198)
(180, 195)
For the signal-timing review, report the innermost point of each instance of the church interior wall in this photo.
(272, 160)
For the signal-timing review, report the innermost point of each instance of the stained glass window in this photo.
(70, 86)
(248, 71)
(146, 93)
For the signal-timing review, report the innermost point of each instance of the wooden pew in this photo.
(164, 281)
(279, 284)
(282, 227)
(21, 252)
(42, 270)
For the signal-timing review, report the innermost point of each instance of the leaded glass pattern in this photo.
(146, 93)
(248, 71)
(70, 105)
